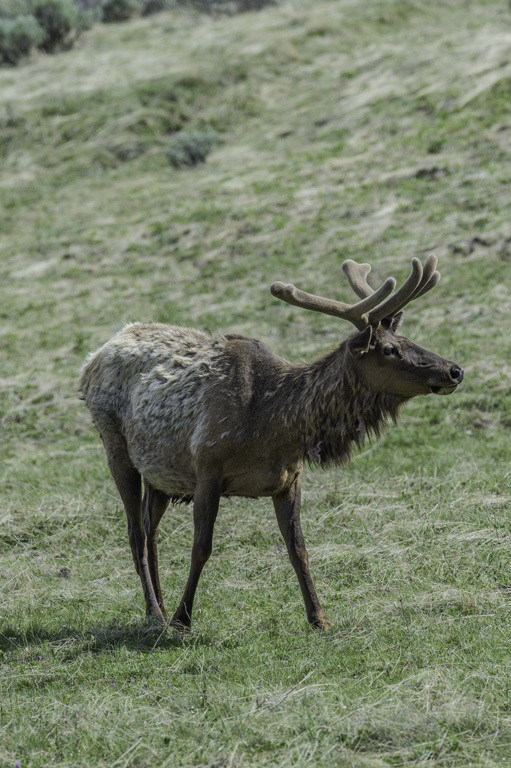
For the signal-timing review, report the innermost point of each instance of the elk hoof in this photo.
(321, 622)
(179, 626)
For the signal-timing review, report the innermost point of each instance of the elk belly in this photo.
(260, 480)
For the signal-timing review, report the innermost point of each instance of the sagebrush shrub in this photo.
(17, 37)
(9, 9)
(58, 19)
(190, 148)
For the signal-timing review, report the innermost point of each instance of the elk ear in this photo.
(359, 344)
(393, 322)
(396, 321)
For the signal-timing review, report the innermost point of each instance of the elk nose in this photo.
(456, 374)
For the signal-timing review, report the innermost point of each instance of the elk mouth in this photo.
(443, 390)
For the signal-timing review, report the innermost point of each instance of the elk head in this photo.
(384, 360)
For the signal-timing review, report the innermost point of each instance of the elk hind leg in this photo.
(129, 485)
(154, 504)
(205, 509)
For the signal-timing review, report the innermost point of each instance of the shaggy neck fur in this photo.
(333, 410)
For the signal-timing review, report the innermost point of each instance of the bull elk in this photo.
(198, 417)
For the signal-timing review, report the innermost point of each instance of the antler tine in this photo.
(433, 280)
(430, 276)
(354, 313)
(357, 277)
(399, 299)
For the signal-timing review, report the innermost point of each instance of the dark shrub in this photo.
(190, 148)
(120, 10)
(58, 19)
(17, 37)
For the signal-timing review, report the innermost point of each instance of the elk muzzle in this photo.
(456, 375)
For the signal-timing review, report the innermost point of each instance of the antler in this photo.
(355, 313)
(375, 305)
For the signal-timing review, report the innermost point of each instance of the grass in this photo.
(375, 131)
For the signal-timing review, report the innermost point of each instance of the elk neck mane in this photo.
(333, 409)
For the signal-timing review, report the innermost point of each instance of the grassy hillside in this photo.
(376, 131)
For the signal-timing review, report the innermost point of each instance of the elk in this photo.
(184, 416)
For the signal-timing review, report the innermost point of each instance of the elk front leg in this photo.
(129, 485)
(205, 509)
(287, 508)
(154, 505)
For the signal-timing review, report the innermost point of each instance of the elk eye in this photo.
(388, 349)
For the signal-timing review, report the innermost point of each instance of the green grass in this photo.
(376, 131)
